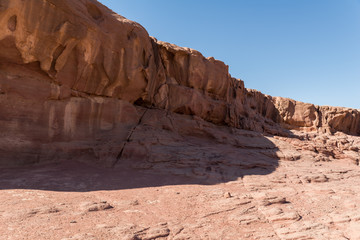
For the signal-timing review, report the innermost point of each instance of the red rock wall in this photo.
(70, 72)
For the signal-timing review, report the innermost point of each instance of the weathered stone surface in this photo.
(80, 45)
(192, 153)
(309, 117)
(64, 65)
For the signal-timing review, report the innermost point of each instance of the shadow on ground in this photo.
(76, 176)
(80, 177)
(164, 149)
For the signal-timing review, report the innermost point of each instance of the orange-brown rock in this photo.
(68, 80)
(79, 45)
(191, 153)
(309, 117)
(70, 72)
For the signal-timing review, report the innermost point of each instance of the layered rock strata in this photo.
(80, 84)
(76, 79)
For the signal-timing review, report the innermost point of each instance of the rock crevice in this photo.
(71, 71)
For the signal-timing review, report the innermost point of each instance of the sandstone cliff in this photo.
(189, 152)
(76, 78)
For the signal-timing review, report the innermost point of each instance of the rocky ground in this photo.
(300, 200)
(108, 133)
(239, 185)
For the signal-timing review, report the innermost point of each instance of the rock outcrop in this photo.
(185, 150)
(72, 72)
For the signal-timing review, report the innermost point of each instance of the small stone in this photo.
(134, 203)
(227, 195)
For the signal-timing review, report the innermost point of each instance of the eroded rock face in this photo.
(81, 84)
(180, 177)
(70, 72)
(80, 45)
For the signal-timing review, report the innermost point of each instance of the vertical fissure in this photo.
(128, 139)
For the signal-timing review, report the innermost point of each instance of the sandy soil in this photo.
(299, 200)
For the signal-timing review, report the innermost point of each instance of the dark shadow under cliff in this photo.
(164, 149)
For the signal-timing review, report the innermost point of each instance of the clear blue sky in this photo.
(308, 50)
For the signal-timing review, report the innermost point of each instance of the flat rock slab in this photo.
(76, 201)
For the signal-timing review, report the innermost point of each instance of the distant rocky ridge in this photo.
(76, 80)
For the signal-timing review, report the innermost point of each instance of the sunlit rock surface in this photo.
(108, 133)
